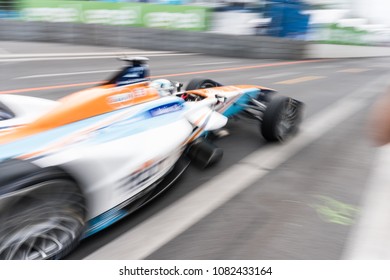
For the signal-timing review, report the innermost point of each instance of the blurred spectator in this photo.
(379, 123)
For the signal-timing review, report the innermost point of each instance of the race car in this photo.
(279, 116)
(72, 167)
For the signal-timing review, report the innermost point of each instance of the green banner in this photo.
(133, 14)
(334, 34)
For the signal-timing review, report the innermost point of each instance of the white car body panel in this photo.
(25, 108)
(108, 163)
(114, 170)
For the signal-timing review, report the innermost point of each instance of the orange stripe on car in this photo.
(85, 104)
(194, 135)
(197, 122)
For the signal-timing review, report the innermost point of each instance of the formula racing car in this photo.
(72, 167)
(278, 116)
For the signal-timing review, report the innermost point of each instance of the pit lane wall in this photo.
(152, 39)
(314, 51)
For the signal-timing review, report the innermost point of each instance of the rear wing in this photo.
(136, 71)
(135, 60)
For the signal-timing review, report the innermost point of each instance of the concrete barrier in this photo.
(153, 39)
(344, 51)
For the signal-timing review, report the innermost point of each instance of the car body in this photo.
(278, 116)
(73, 167)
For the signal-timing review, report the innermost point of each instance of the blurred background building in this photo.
(356, 22)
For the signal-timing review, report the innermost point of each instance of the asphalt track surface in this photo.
(299, 200)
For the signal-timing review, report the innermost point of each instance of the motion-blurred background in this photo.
(358, 22)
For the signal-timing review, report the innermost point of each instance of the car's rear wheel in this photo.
(201, 83)
(281, 119)
(42, 221)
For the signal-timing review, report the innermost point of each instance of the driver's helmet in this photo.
(165, 87)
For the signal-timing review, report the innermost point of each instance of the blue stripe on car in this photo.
(237, 106)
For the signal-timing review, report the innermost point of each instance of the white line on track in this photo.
(159, 229)
(276, 75)
(124, 52)
(64, 74)
(212, 63)
(47, 58)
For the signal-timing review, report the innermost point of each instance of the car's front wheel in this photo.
(281, 118)
(41, 221)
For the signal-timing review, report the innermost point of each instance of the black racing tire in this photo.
(205, 154)
(281, 119)
(266, 96)
(43, 221)
(200, 83)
